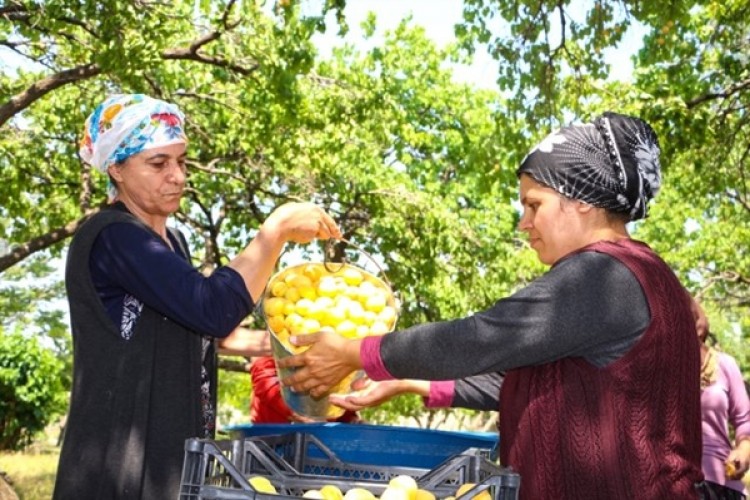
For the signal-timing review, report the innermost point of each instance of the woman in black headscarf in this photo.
(600, 396)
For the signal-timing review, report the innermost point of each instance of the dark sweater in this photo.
(134, 402)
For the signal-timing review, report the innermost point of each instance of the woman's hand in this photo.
(377, 393)
(739, 459)
(297, 222)
(327, 362)
(301, 223)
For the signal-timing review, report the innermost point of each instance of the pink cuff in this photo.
(441, 394)
(372, 363)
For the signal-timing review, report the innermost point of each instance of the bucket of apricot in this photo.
(325, 296)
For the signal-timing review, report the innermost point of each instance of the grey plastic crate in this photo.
(220, 470)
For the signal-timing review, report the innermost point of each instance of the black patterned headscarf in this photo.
(612, 163)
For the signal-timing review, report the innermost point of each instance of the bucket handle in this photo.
(329, 252)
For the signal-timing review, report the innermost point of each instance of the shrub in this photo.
(31, 390)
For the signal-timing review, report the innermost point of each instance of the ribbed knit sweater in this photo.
(627, 430)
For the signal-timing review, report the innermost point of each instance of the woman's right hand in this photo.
(377, 393)
(301, 223)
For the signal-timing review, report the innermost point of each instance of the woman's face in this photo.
(701, 321)
(554, 224)
(152, 181)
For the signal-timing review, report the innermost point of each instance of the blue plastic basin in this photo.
(381, 444)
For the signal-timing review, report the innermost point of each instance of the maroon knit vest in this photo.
(629, 430)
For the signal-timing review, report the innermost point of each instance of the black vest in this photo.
(134, 402)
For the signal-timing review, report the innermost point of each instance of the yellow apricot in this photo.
(292, 294)
(346, 329)
(273, 306)
(387, 315)
(362, 331)
(355, 312)
(331, 492)
(352, 276)
(403, 481)
(303, 306)
(424, 495)
(395, 493)
(278, 288)
(375, 302)
(276, 323)
(485, 495)
(359, 494)
(313, 271)
(379, 328)
(310, 326)
(262, 484)
(327, 287)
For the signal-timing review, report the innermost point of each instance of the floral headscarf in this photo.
(126, 124)
(612, 163)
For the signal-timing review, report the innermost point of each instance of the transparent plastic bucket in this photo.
(316, 296)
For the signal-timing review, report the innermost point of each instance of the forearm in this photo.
(480, 392)
(257, 260)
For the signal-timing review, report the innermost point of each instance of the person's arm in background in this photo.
(739, 418)
(245, 342)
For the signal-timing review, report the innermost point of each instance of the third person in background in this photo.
(724, 402)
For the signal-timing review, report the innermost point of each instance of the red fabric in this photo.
(574, 431)
(267, 404)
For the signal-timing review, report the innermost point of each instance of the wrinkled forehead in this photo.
(530, 187)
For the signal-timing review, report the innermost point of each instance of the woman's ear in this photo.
(584, 208)
(114, 171)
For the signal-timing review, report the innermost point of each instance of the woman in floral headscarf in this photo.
(600, 359)
(143, 319)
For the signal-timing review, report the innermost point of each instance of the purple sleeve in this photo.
(372, 363)
(739, 403)
(126, 259)
(441, 394)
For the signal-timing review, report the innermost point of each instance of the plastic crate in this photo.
(220, 470)
(381, 444)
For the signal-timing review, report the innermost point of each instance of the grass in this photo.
(32, 472)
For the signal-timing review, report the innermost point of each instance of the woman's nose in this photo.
(177, 172)
(524, 224)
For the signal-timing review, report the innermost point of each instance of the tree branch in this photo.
(13, 8)
(191, 54)
(39, 89)
(728, 92)
(20, 252)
